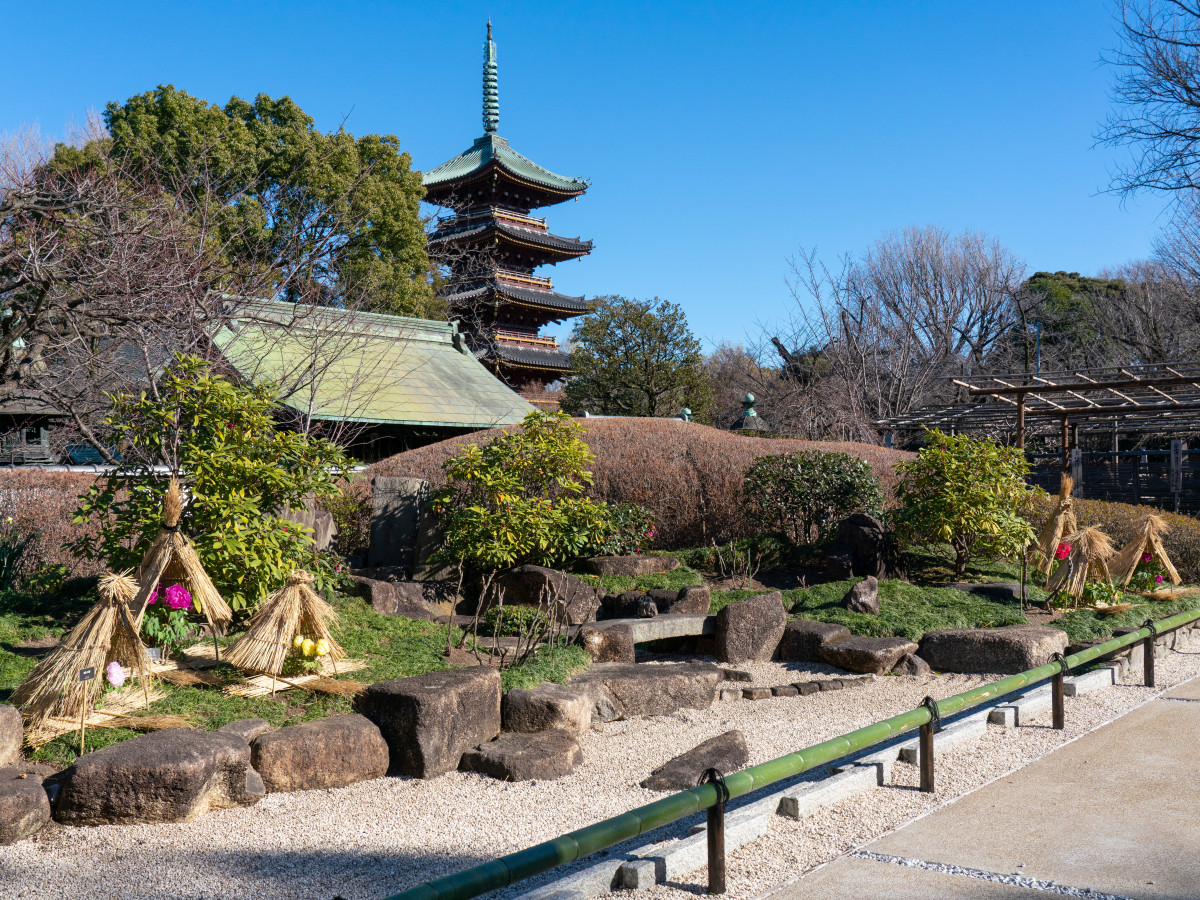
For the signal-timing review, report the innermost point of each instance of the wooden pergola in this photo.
(1162, 398)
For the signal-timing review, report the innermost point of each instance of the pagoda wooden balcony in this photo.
(521, 337)
(473, 216)
(514, 277)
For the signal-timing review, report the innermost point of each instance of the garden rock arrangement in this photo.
(750, 630)
(863, 597)
(726, 752)
(654, 690)
(575, 599)
(395, 598)
(802, 640)
(327, 753)
(542, 756)
(429, 721)
(1007, 650)
(875, 656)
(613, 643)
(632, 566)
(166, 776)
(862, 546)
(11, 732)
(24, 806)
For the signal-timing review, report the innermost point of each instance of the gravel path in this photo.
(376, 838)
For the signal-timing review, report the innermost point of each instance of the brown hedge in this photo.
(690, 475)
(1121, 522)
(44, 502)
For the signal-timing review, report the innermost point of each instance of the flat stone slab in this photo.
(726, 752)
(874, 656)
(543, 756)
(655, 689)
(962, 732)
(803, 638)
(1006, 651)
(547, 706)
(632, 566)
(802, 802)
(326, 753)
(659, 628)
(1095, 680)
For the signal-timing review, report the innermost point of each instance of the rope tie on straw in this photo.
(300, 577)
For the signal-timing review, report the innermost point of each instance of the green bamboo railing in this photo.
(567, 848)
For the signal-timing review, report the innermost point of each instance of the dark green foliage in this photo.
(275, 178)
(631, 530)
(511, 621)
(804, 494)
(677, 578)
(1090, 624)
(636, 358)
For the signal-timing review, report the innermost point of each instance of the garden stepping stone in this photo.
(726, 752)
(911, 664)
(24, 807)
(12, 729)
(749, 630)
(870, 655)
(166, 776)
(655, 690)
(1004, 651)
(757, 693)
(326, 753)
(548, 706)
(785, 690)
(430, 720)
(863, 597)
(802, 640)
(632, 566)
(543, 756)
(575, 599)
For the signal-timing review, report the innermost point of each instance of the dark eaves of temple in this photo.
(492, 246)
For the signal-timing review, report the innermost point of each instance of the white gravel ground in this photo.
(376, 838)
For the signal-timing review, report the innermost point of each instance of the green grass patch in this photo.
(667, 581)
(557, 664)
(905, 610)
(1089, 625)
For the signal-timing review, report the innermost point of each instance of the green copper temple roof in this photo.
(341, 365)
(493, 148)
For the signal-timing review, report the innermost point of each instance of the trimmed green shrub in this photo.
(804, 494)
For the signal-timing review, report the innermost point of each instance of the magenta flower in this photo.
(153, 598)
(1158, 579)
(1146, 557)
(1063, 551)
(178, 597)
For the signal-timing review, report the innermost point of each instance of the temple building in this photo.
(491, 247)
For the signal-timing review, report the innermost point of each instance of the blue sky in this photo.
(719, 137)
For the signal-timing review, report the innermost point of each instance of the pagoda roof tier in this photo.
(492, 172)
(521, 296)
(547, 247)
(530, 357)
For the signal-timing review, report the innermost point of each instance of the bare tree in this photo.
(1157, 93)
(889, 326)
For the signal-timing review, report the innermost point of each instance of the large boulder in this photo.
(548, 706)
(874, 656)
(429, 721)
(655, 690)
(165, 776)
(802, 640)
(12, 730)
(24, 807)
(911, 664)
(866, 546)
(611, 644)
(247, 729)
(749, 630)
(632, 566)
(575, 599)
(395, 598)
(1004, 651)
(863, 597)
(525, 757)
(327, 753)
(693, 600)
(726, 752)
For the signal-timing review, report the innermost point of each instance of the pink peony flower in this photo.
(115, 674)
(1158, 579)
(1146, 557)
(178, 597)
(153, 596)
(1063, 551)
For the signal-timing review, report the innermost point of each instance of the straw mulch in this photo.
(172, 559)
(117, 707)
(292, 611)
(1148, 541)
(1091, 549)
(105, 634)
(267, 685)
(1169, 593)
(1061, 522)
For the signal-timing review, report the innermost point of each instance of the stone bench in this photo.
(659, 628)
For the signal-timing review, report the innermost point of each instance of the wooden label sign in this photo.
(154, 653)
(1176, 466)
(87, 674)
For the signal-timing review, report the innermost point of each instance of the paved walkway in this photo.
(1116, 813)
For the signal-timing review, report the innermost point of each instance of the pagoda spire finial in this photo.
(491, 92)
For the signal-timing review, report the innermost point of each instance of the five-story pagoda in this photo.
(490, 246)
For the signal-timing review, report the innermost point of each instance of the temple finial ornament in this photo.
(491, 91)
